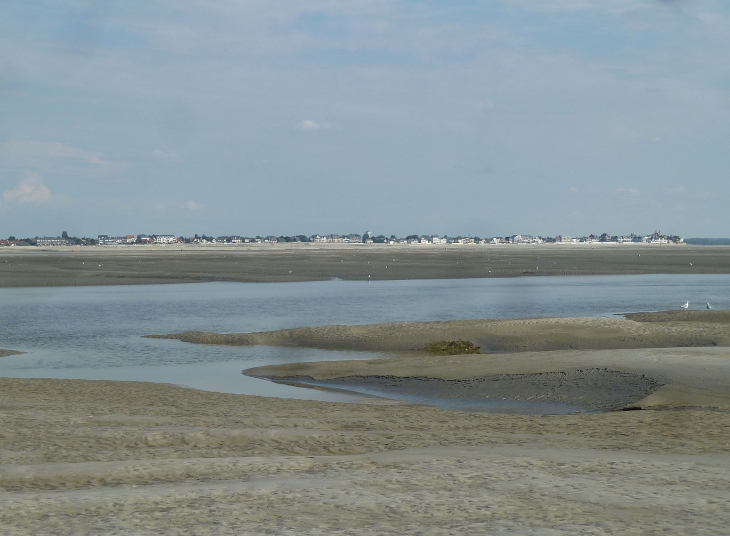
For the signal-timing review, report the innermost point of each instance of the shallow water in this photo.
(95, 332)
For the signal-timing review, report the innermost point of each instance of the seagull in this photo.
(685, 305)
(709, 306)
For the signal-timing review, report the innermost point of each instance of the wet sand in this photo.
(545, 393)
(85, 457)
(35, 267)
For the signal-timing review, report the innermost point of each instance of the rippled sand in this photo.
(83, 457)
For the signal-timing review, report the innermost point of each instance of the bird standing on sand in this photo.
(709, 306)
(685, 305)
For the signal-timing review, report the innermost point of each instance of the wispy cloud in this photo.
(24, 150)
(309, 125)
(192, 205)
(632, 191)
(30, 190)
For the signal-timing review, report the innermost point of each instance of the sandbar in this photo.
(649, 330)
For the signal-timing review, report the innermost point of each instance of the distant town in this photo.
(353, 238)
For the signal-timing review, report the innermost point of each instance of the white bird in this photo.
(685, 305)
(709, 306)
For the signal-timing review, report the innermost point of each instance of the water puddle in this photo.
(545, 393)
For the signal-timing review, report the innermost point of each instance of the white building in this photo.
(165, 239)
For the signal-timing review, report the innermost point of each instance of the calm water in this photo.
(95, 332)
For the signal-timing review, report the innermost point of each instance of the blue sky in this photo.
(270, 117)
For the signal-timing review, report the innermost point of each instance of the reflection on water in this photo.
(95, 332)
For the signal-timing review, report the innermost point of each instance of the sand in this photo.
(513, 335)
(84, 457)
(37, 267)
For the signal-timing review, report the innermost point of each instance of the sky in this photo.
(457, 117)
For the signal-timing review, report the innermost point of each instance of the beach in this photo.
(643, 447)
(132, 265)
(82, 457)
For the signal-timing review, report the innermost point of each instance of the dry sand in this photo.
(83, 457)
(28, 267)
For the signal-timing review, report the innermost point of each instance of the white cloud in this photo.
(632, 191)
(165, 156)
(192, 205)
(30, 190)
(308, 125)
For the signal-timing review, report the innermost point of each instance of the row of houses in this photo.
(654, 238)
(367, 238)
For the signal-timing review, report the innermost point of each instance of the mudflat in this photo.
(89, 457)
(34, 267)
